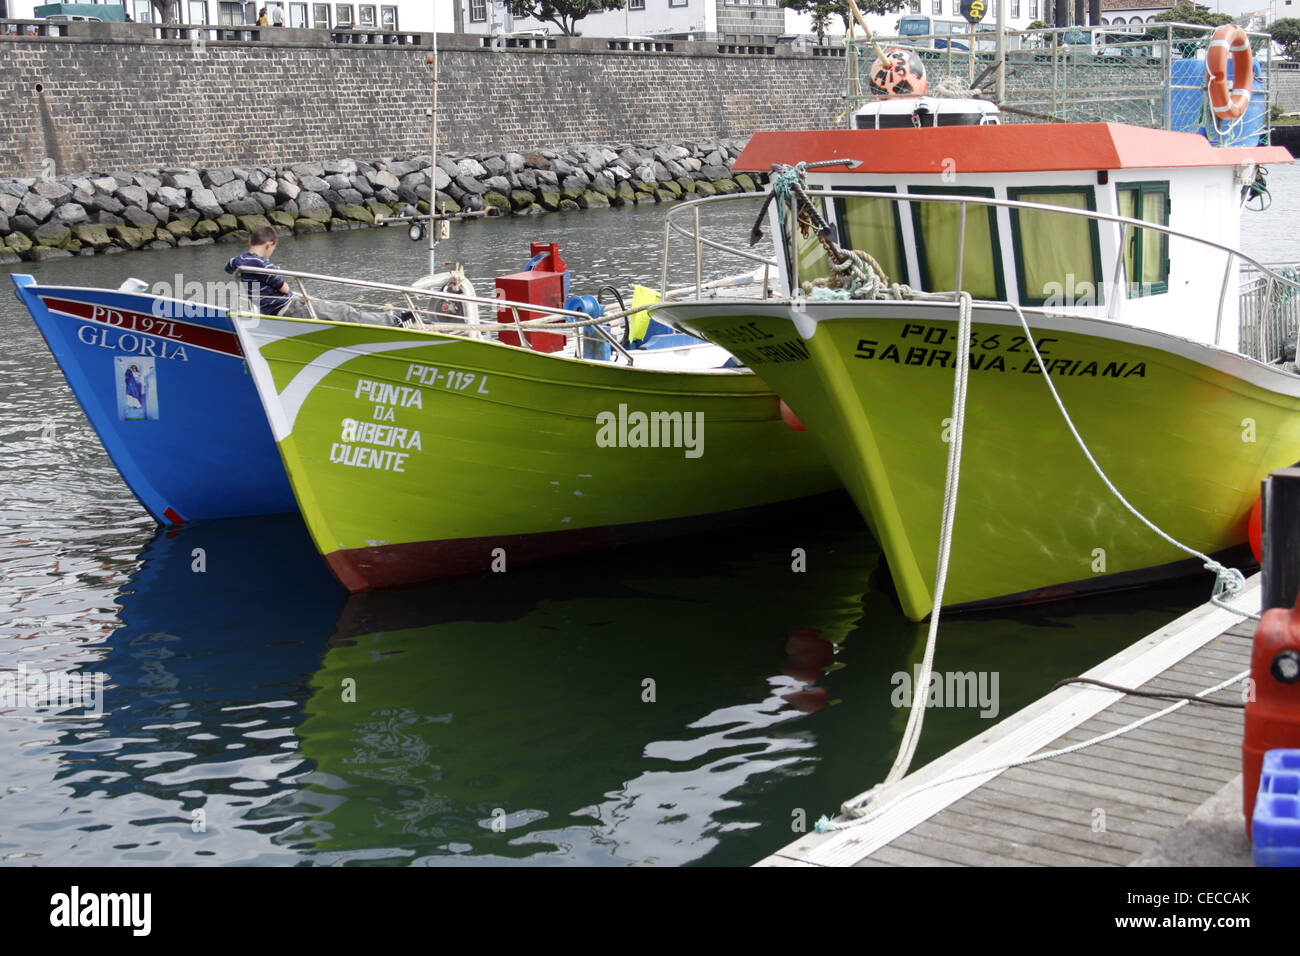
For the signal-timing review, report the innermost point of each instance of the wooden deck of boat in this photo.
(1103, 806)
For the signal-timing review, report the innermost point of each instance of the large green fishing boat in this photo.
(420, 454)
(1097, 258)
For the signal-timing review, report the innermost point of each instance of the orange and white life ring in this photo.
(1229, 103)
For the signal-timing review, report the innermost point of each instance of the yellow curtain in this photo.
(939, 223)
(1055, 248)
(869, 227)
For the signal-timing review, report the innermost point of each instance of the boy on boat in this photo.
(271, 294)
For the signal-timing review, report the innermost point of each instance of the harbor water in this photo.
(699, 701)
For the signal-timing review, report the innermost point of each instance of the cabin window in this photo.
(937, 225)
(813, 261)
(873, 226)
(1058, 256)
(1146, 252)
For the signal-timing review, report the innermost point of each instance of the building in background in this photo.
(1130, 13)
(413, 15)
(726, 21)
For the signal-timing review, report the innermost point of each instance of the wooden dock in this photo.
(1109, 805)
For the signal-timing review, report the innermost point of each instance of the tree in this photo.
(840, 8)
(1286, 33)
(1191, 13)
(563, 13)
(165, 10)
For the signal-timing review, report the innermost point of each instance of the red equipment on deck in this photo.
(541, 284)
(1273, 710)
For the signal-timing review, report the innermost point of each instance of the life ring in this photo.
(446, 310)
(1229, 103)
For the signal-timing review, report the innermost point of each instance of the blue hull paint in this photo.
(165, 387)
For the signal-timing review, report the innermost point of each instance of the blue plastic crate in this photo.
(1280, 772)
(1275, 826)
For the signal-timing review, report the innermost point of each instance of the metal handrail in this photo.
(990, 201)
(429, 293)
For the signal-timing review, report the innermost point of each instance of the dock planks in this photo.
(1103, 806)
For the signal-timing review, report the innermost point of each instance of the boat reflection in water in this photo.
(688, 703)
(221, 626)
(592, 712)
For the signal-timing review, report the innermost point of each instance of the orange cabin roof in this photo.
(1013, 148)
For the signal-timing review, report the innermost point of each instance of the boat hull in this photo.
(415, 455)
(1186, 432)
(165, 387)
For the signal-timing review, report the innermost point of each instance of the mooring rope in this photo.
(826, 825)
(1228, 581)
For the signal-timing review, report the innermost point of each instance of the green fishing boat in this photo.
(1098, 259)
(417, 454)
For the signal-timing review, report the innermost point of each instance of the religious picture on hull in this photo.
(137, 394)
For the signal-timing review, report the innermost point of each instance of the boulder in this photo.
(205, 201)
(247, 206)
(471, 185)
(312, 206)
(17, 242)
(70, 214)
(218, 176)
(230, 191)
(383, 179)
(37, 207)
(497, 199)
(356, 213)
(206, 227)
(53, 190)
(470, 168)
(128, 237)
(182, 179)
(139, 218)
(251, 223)
(43, 253)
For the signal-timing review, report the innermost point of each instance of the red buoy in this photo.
(1273, 706)
(790, 418)
(1254, 530)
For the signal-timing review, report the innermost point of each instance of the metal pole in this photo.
(433, 163)
(1001, 51)
(1280, 566)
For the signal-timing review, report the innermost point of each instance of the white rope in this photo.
(1229, 580)
(916, 718)
(825, 825)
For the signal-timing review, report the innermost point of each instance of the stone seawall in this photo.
(161, 207)
(112, 100)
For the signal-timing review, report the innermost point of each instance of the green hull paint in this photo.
(434, 438)
(1185, 441)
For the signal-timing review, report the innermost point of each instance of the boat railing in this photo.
(1268, 296)
(421, 306)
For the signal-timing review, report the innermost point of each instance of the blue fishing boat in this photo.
(165, 386)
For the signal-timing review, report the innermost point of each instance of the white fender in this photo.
(458, 283)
